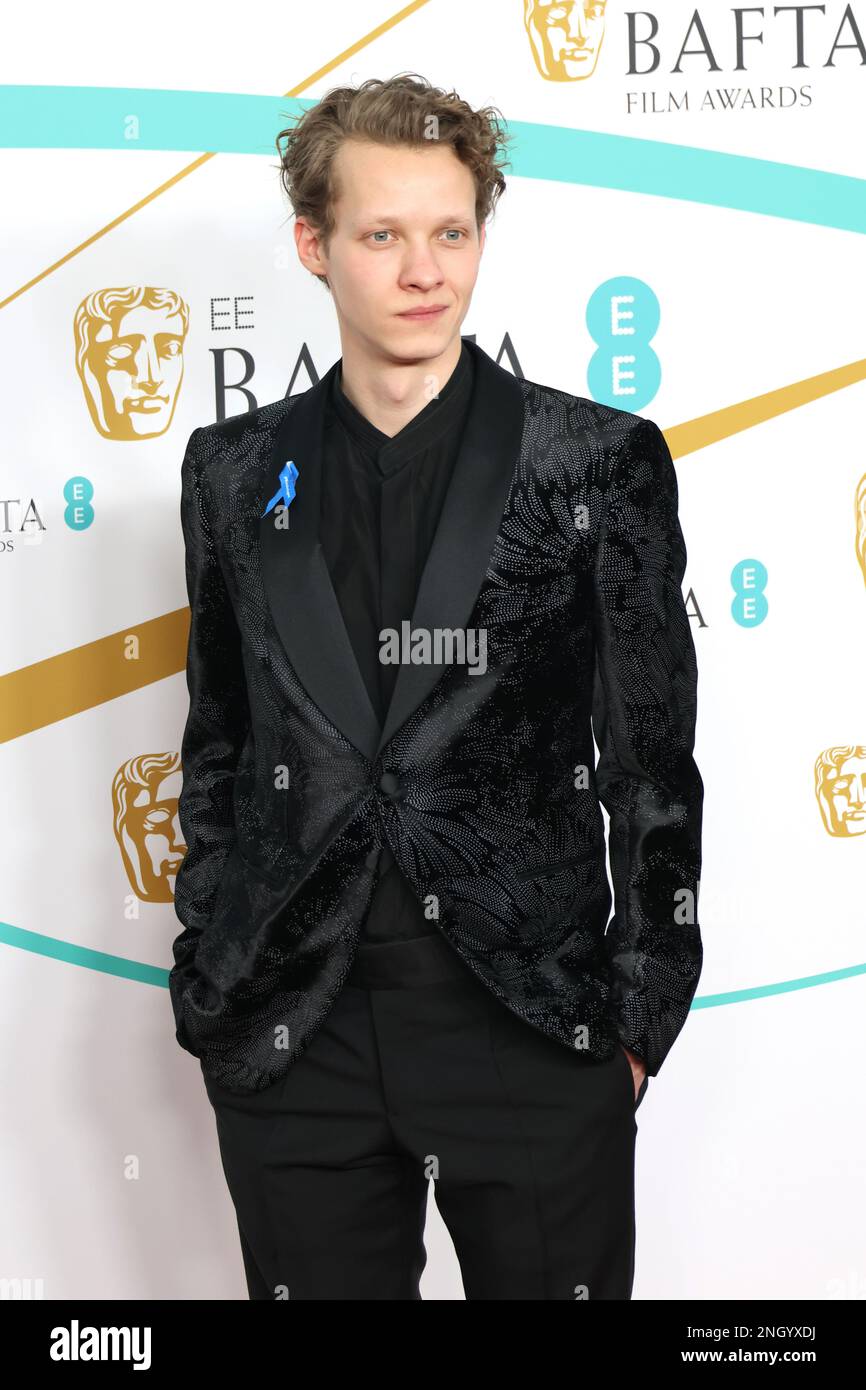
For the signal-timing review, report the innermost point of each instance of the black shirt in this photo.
(382, 498)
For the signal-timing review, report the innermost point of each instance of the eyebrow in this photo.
(392, 217)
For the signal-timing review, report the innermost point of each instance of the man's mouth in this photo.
(431, 313)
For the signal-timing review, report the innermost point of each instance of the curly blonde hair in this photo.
(402, 110)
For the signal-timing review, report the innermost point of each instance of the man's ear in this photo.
(309, 247)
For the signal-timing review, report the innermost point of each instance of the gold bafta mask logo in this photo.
(146, 825)
(840, 786)
(566, 37)
(129, 356)
(860, 523)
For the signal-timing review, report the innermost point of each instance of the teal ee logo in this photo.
(749, 604)
(622, 317)
(78, 493)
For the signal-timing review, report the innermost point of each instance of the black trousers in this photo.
(419, 1073)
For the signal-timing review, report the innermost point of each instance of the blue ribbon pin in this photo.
(286, 490)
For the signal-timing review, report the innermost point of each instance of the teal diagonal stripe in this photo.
(154, 975)
(741, 996)
(690, 175)
(140, 118)
(132, 118)
(67, 951)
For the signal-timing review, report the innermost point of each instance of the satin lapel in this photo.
(299, 590)
(468, 526)
(297, 582)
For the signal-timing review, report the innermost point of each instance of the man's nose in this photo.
(421, 268)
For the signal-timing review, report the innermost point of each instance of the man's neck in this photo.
(390, 395)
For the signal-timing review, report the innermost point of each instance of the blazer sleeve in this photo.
(644, 712)
(215, 729)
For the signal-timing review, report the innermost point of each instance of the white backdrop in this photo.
(751, 1140)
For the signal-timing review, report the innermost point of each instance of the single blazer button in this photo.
(373, 858)
(391, 785)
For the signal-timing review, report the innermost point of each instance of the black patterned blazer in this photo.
(560, 541)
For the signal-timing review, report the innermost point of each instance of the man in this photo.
(416, 590)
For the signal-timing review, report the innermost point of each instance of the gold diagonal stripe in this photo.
(203, 159)
(734, 419)
(87, 676)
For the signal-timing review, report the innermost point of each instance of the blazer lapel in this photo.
(299, 590)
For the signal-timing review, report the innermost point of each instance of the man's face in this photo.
(405, 238)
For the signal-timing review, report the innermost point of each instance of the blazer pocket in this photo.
(543, 870)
